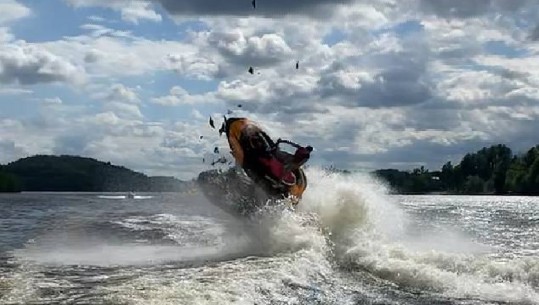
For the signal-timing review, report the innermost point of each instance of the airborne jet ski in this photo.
(276, 171)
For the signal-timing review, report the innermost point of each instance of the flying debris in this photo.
(221, 160)
(253, 3)
(211, 123)
(216, 150)
(222, 129)
(251, 70)
(297, 65)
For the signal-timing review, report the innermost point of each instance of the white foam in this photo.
(111, 196)
(185, 230)
(368, 230)
(126, 254)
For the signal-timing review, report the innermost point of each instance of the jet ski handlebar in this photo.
(279, 141)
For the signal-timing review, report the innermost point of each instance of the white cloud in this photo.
(262, 50)
(107, 118)
(27, 64)
(179, 96)
(380, 83)
(124, 110)
(136, 11)
(122, 94)
(118, 100)
(110, 55)
(132, 11)
(195, 66)
(11, 10)
(53, 101)
(14, 91)
(5, 35)
(9, 151)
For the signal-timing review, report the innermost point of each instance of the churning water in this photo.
(348, 242)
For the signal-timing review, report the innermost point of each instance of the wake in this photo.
(366, 230)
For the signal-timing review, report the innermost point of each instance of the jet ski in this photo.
(277, 172)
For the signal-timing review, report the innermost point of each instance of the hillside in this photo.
(490, 170)
(73, 173)
(8, 182)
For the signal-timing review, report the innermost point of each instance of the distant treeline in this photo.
(493, 170)
(78, 174)
(8, 182)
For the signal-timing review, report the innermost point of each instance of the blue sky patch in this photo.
(502, 49)
(54, 19)
(334, 37)
(402, 29)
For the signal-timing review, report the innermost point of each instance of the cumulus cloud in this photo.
(122, 94)
(155, 148)
(136, 11)
(380, 83)
(9, 151)
(198, 67)
(124, 110)
(394, 86)
(20, 138)
(180, 96)
(28, 64)
(292, 95)
(106, 52)
(390, 73)
(12, 10)
(5, 35)
(262, 50)
(131, 11)
(118, 101)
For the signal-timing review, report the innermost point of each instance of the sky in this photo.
(380, 84)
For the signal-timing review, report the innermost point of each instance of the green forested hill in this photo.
(8, 182)
(73, 173)
(492, 170)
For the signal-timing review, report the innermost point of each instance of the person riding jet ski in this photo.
(262, 159)
(265, 157)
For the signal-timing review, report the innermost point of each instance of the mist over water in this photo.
(348, 242)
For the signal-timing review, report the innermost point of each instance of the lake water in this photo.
(348, 242)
